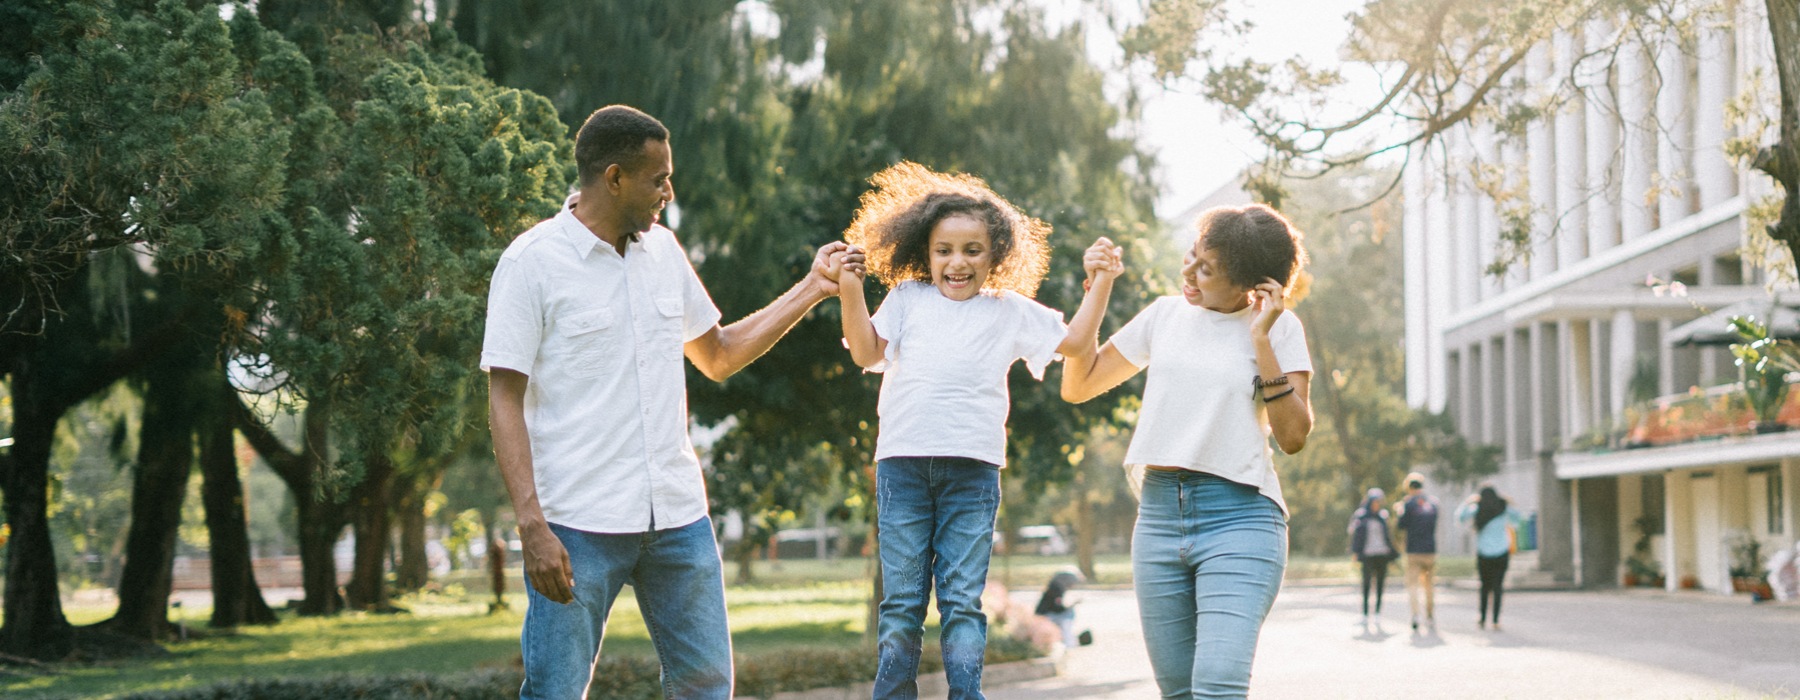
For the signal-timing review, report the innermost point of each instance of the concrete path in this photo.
(1555, 645)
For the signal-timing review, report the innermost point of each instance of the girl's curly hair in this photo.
(893, 227)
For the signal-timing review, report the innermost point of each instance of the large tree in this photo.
(123, 131)
(1447, 63)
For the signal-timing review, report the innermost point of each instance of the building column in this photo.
(1716, 64)
(1413, 283)
(1637, 88)
(1469, 421)
(1675, 498)
(1514, 433)
(1674, 113)
(1624, 359)
(1467, 227)
(1487, 223)
(1602, 116)
(1578, 411)
(1540, 143)
(1571, 213)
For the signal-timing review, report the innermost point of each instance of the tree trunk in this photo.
(165, 458)
(1084, 527)
(1783, 161)
(319, 519)
(414, 570)
(35, 626)
(237, 600)
(496, 566)
(370, 523)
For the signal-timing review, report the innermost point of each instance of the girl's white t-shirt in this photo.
(943, 390)
(1201, 410)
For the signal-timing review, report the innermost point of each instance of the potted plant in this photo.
(1764, 362)
(1747, 575)
(1642, 568)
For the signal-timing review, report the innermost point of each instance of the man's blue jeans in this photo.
(680, 588)
(937, 522)
(1207, 557)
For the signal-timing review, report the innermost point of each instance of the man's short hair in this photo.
(614, 134)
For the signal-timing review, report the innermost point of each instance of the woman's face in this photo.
(1204, 284)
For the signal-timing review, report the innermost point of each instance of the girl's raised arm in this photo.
(1089, 370)
(867, 348)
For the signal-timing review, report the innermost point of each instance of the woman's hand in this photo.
(1103, 259)
(1270, 300)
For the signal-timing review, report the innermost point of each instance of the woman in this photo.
(1227, 366)
(1493, 544)
(1373, 549)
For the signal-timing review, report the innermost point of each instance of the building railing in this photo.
(1699, 414)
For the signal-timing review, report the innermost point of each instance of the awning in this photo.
(1783, 317)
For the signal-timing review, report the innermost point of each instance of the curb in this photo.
(934, 684)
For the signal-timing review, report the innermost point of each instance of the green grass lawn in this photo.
(795, 603)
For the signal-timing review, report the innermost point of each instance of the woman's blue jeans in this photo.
(937, 523)
(680, 586)
(1207, 557)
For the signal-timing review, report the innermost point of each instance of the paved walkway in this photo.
(1555, 645)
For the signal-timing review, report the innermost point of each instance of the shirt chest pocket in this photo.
(589, 338)
(667, 323)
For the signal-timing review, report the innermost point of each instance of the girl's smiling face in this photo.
(961, 256)
(1205, 285)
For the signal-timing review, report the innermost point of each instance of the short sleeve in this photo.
(1288, 339)
(1041, 330)
(1133, 341)
(699, 313)
(514, 319)
(890, 318)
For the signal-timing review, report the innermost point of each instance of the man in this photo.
(589, 315)
(1418, 520)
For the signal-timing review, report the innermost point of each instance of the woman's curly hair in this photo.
(1254, 242)
(893, 227)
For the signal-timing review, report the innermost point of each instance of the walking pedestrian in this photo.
(1373, 548)
(1494, 520)
(1418, 521)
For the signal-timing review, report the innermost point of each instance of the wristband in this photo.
(1258, 382)
(1271, 399)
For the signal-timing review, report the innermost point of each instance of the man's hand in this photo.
(547, 563)
(829, 264)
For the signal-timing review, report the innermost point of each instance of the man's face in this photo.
(645, 188)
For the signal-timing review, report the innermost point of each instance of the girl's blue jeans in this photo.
(936, 516)
(1207, 557)
(680, 588)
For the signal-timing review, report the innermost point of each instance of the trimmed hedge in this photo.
(625, 678)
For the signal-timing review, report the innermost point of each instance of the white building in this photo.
(1542, 361)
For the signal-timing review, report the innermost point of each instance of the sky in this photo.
(1199, 146)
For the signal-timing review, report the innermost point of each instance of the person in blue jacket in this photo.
(1493, 518)
(1373, 548)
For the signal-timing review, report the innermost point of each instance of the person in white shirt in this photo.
(962, 264)
(589, 315)
(1228, 366)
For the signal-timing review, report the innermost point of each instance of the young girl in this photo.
(961, 264)
(1227, 367)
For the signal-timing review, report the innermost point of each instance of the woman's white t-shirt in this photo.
(1201, 410)
(943, 390)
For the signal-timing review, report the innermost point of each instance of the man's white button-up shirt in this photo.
(600, 335)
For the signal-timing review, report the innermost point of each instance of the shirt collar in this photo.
(583, 240)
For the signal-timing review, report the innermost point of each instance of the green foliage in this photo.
(1764, 362)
